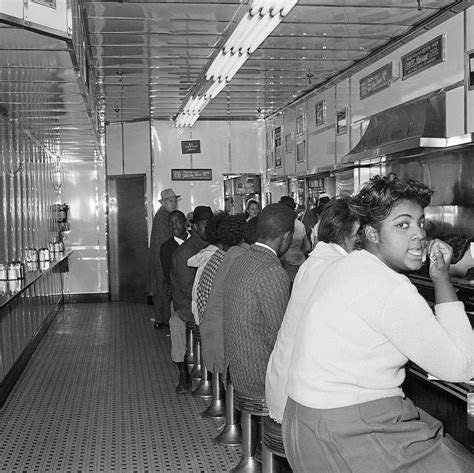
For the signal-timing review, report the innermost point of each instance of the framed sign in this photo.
(190, 146)
(289, 143)
(425, 56)
(378, 80)
(300, 125)
(191, 174)
(278, 146)
(341, 121)
(46, 3)
(300, 151)
(470, 69)
(320, 112)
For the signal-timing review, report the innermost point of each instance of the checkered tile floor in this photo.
(98, 396)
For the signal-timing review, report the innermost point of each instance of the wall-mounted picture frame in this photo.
(300, 125)
(320, 112)
(300, 151)
(341, 121)
(289, 143)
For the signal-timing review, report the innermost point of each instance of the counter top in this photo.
(460, 390)
(9, 290)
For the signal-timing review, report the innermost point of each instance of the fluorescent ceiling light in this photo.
(258, 22)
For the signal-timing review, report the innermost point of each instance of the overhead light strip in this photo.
(261, 18)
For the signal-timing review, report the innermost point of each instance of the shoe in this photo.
(185, 383)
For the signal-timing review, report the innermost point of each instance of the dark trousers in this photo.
(162, 308)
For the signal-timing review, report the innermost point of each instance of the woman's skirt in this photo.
(386, 435)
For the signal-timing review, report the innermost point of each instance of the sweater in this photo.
(256, 292)
(363, 324)
(211, 327)
(278, 365)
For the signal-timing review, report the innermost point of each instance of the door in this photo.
(128, 237)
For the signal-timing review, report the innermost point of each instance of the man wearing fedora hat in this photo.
(160, 232)
(182, 279)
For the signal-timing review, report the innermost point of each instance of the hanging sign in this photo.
(425, 56)
(191, 174)
(190, 146)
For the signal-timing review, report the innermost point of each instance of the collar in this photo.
(179, 241)
(257, 243)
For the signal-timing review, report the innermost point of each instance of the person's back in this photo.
(256, 292)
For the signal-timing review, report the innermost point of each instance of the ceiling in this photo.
(147, 57)
(150, 54)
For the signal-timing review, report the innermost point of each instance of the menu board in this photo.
(378, 80)
(424, 57)
(191, 174)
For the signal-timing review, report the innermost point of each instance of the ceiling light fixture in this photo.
(260, 19)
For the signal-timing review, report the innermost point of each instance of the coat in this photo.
(160, 232)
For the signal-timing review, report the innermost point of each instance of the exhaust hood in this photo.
(417, 124)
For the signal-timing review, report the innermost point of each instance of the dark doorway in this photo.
(128, 237)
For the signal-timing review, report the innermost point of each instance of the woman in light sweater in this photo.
(346, 411)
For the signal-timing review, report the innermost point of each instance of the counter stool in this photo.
(231, 434)
(199, 371)
(250, 408)
(216, 408)
(196, 337)
(189, 359)
(272, 445)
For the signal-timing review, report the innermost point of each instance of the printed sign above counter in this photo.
(191, 174)
(425, 56)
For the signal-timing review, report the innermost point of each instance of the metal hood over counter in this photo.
(420, 123)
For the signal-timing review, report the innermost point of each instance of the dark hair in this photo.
(177, 213)
(231, 230)
(288, 201)
(377, 198)
(250, 231)
(460, 244)
(212, 227)
(247, 205)
(275, 220)
(337, 221)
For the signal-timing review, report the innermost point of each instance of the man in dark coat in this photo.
(182, 279)
(160, 232)
(256, 292)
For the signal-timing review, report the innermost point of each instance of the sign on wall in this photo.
(191, 174)
(379, 79)
(425, 56)
(278, 146)
(190, 146)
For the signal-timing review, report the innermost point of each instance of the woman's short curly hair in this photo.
(212, 227)
(377, 198)
(231, 230)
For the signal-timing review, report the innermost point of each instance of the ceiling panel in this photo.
(161, 49)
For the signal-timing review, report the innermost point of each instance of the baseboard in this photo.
(87, 297)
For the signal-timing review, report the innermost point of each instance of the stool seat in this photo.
(272, 436)
(194, 328)
(253, 405)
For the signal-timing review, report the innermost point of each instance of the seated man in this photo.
(256, 291)
(337, 233)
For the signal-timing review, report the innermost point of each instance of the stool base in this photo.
(230, 436)
(248, 465)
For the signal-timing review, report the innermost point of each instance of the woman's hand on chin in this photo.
(440, 254)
